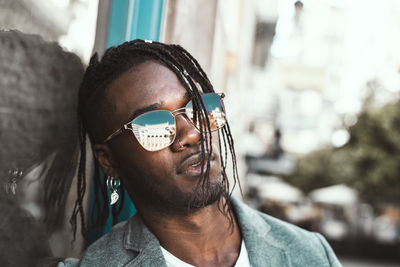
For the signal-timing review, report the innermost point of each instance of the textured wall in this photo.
(38, 135)
(21, 15)
(38, 93)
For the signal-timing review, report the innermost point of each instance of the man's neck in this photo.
(204, 238)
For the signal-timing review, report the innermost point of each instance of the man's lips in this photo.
(191, 164)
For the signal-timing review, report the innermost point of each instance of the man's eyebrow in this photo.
(151, 108)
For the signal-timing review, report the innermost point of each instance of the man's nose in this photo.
(187, 134)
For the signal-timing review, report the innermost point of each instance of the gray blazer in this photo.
(269, 242)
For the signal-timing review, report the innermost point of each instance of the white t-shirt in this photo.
(172, 261)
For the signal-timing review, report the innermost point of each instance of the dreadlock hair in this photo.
(92, 105)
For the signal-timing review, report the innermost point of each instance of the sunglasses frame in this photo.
(176, 112)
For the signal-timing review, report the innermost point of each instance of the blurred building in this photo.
(323, 56)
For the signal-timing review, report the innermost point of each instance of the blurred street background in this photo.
(312, 95)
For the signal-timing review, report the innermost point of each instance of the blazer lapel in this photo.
(139, 239)
(261, 250)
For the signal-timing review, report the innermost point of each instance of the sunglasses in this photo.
(156, 130)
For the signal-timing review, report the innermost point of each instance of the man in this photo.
(157, 128)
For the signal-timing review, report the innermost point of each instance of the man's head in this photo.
(133, 79)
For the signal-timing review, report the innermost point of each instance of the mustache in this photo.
(194, 157)
(197, 153)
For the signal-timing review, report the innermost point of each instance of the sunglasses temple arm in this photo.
(114, 134)
(178, 111)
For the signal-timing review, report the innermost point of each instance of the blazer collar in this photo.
(138, 238)
(261, 247)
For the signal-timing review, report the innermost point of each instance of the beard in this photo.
(177, 202)
(204, 195)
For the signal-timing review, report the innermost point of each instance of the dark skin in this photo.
(162, 183)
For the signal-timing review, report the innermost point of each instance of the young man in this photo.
(157, 128)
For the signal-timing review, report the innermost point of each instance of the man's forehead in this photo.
(146, 87)
(141, 81)
(148, 83)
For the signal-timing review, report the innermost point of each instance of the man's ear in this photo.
(104, 156)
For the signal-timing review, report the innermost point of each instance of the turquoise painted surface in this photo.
(132, 19)
(147, 20)
(118, 20)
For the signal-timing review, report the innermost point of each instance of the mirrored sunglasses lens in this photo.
(215, 111)
(155, 130)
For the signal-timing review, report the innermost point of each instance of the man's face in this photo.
(164, 180)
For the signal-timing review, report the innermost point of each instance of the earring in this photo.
(11, 186)
(112, 184)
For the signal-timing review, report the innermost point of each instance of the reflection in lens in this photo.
(217, 118)
(215, 111)
(155, 130)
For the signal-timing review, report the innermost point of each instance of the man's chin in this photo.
(204, 196)
(178, 202)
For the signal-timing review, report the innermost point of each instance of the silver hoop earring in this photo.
(113, 184)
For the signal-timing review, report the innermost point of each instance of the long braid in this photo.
(81, 187)
(98, 76)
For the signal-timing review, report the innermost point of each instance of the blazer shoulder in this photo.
(107, 248)
(298, 246)
(299, 243)
(286, 232)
